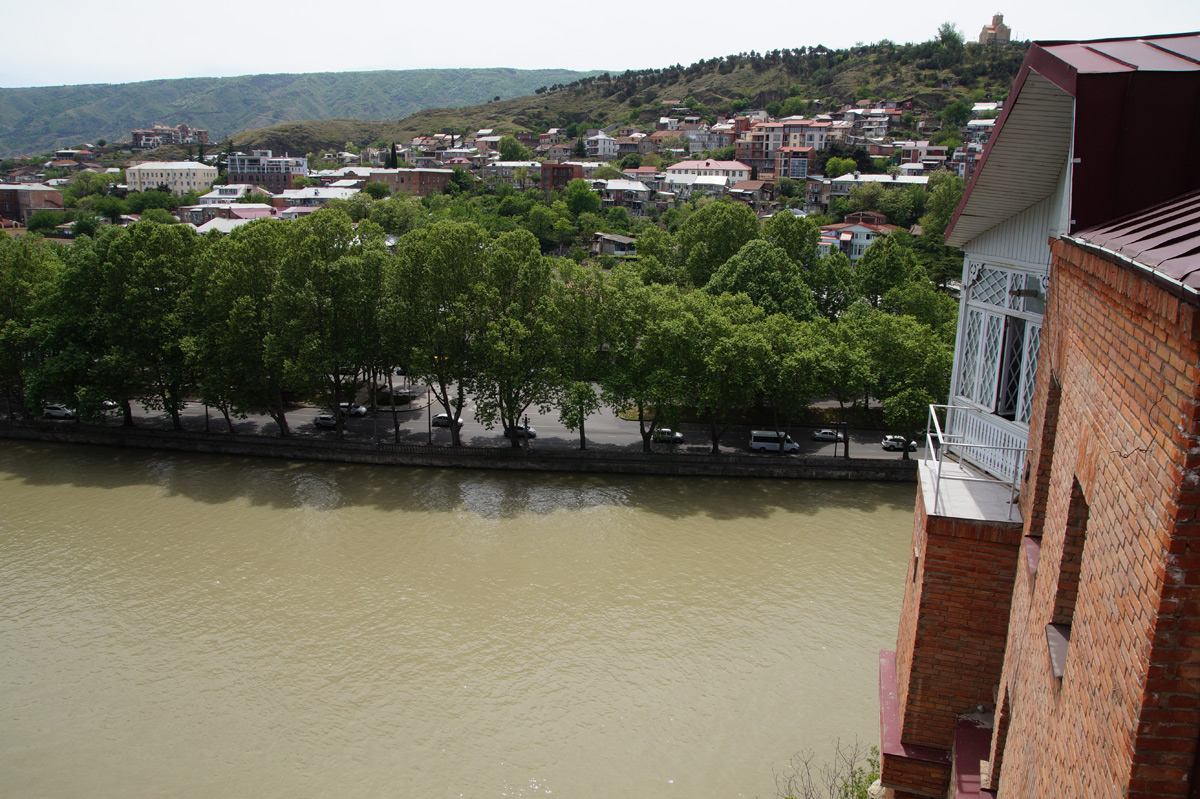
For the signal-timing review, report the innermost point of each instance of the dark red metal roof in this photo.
(1164, 239)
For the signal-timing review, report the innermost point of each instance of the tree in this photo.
(512, 150)
(28, 270)
(433, 290)
(579, 149)
(885, 265)
(581, 199)
(796, 236)
(792, 373)
(727, 359)
(580, 292)
(159, 215)
(832, 284)
(955, 115)
(325, 298)
(377, 190)
(609, 173)
(712, 235)
(643, 339)
(770, 279)
(836, 167)
(233, 344)
(517, 344)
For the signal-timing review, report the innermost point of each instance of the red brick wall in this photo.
(953, 623)
(1124, 719)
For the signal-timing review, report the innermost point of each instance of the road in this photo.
(605, 430)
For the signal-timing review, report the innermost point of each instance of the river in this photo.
(191, 626)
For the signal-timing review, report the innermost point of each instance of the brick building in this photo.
(19, 201)
(1049, 640)
(415, 182)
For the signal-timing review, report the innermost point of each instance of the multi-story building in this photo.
(793, 162)
(733, 170)
(160, 135)
(601, 145)
(556, 176)
(179, 177)
(416, 182)
(18, 201)
(1048, 644)
(263, 168)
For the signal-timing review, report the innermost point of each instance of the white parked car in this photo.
(665, 435)
(353, 409)
(443, 420)
(896, 444)
(57, 411)
(827, 435)
(521, 431)
(326, 420)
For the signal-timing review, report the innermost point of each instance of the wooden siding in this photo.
(1023, 240)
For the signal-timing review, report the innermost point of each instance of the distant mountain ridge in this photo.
(39, 119)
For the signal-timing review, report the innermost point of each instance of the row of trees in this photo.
(726, 316)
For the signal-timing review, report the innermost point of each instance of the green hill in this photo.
(36, 120)
(782, 81)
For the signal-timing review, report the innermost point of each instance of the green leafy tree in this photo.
(712, 235)
(792, 373)
(579, 294)
(796, 236)
(765, 274)
(517, 344)
(325, 300)
(377, 190)
(29, 268)
(434, 290)
(832, 284)
(885, 265)
(512, 150)
(581, 199)
(836, 167)
(233, 343)
(727, 358)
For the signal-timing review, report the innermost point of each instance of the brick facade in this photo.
(1123, 357)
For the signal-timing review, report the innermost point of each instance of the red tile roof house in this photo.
(1049, 639)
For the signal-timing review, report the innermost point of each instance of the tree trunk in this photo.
(582, 437)
(228, 420)
(392, 397)
(126, 414)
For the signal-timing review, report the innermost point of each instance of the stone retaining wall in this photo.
(620, 462)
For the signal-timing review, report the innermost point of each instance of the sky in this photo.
(84, 43)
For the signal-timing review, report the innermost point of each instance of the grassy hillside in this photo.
(929, 73)
(35, 120)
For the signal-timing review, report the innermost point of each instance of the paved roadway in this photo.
(604, 430)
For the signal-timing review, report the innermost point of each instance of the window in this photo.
(1070, 566)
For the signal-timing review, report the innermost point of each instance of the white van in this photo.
(768, 441)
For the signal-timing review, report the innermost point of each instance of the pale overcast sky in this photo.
(71, 41)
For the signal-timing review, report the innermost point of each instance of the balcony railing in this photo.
(974, 437)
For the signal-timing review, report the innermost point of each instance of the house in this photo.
(632, 195)
(754, 193)
(612, 244)
(855, 235)
(601, 145)
(517, 173)
(1047, 639)
(230, 193)
(264, 168)
(311, 196)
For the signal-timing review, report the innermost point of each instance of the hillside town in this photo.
(770, 164)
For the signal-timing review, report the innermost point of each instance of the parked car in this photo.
(108, 405)
(521, 431)
(827, 435)
(353, 409)
(443, 420)
(57, 411)
(896, 443)
(665, 435)
(770, 441)
(326, 420)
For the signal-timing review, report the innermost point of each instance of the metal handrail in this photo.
(939, 444)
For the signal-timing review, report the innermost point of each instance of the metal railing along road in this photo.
(1003, 461)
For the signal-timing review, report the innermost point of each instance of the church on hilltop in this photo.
(997, 32)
